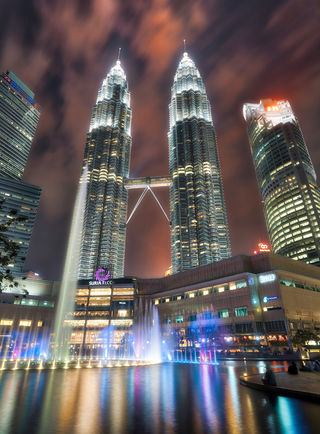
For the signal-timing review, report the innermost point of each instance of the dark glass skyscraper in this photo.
(19, 116)
(23, 198)
(107, 155)
(286, 178)
(199, 229)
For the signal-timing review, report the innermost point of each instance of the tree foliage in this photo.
(9, 249)
(303, 336)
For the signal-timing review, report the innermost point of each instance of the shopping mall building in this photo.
(243, 301)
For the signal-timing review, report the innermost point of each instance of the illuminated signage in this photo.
(101, 275)
(273, 108)
(266, 299)
(18, 88)
(267, 278)
(262, 248)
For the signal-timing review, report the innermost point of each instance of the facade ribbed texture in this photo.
(199, 229)
(19, 118)
(287, 180)
(24, 198)
(107, 155)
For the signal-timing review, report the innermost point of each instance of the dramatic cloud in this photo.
(244, 50)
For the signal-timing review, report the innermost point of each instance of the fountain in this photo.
(147, 336)
(62, 329)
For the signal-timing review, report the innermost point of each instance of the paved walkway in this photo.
(304, 385)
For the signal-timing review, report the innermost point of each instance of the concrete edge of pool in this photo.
(306, 385)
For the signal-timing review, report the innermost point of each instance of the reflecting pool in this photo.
(148, 399)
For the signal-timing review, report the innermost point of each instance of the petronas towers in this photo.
(107, 155)
(199, 230)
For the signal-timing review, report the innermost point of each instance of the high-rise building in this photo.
(107, 156)
(199, 228)
(19, 116)
(286, 178)
(23, 198)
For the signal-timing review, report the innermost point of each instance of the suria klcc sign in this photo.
(102, 277)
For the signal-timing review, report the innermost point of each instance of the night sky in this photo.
(245, 50)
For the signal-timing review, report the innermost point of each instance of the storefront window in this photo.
(241, 311)
(223, 313)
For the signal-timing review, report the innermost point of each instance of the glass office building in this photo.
(19, 116)
(107, 156)
(102, 322)
(199, 228)
(286, 178)
(24, 198)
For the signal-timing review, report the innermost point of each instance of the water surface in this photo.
(168, 398)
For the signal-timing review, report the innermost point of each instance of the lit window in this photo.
(206, 292)
(6, 322)
(179, 297)
(241, 284)
(29, 302)
(156, 301)
(223, 313)
(232, 286)
(221, 289)
(25, 323)
(179, 319)
(191, 295)
(40, 323)
(241, 311)
(122, 312)
(167, 300)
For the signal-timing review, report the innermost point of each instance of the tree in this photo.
(303, 336)
(9, 249)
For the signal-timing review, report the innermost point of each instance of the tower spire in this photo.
(184, 46)
(119, 54)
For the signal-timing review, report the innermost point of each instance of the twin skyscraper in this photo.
(199, 229)
(198, 220)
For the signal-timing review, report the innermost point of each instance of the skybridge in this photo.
(147, 184)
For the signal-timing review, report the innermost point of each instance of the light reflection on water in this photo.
(159, 399)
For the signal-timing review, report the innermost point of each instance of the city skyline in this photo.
(236, 67)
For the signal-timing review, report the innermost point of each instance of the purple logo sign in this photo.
(101, 276)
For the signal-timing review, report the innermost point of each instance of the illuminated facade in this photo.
(199, 229)
(103, 317)
(19, 116)
(286, 178)
(242, 301)
(107, 155)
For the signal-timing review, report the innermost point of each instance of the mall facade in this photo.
(240, 302)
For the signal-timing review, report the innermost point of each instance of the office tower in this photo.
(19, 116)
(24, 198)
(199, 229)
(107, 155)
(286, 178)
